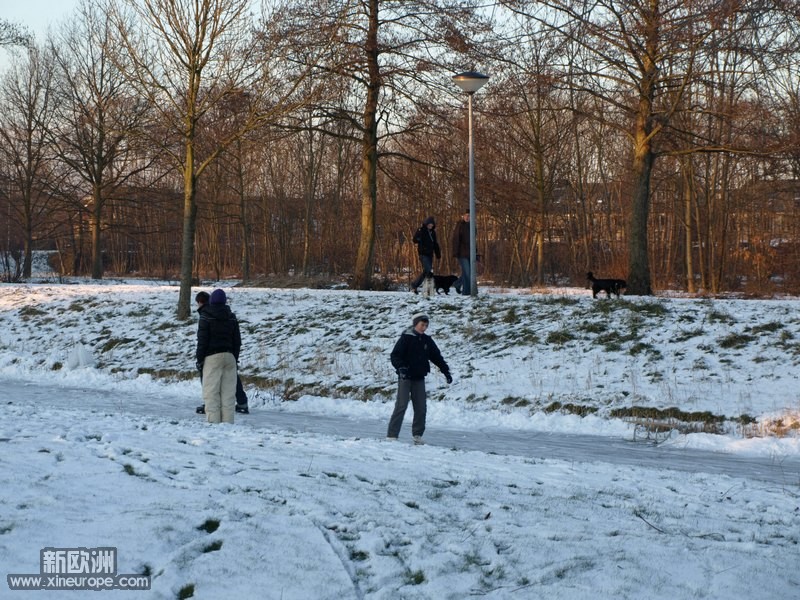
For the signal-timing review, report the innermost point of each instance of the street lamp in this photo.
(470, 82)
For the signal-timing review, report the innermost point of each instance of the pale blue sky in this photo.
(37, 15)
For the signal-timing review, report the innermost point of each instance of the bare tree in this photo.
(387, 56)
(26, 112)
(188, 59)
(640, 58)
(13, 34)
(534, 116)
(97, 116)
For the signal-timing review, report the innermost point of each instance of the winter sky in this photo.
(38, 15)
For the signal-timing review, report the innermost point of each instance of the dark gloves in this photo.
(448, 377)
(402, 373)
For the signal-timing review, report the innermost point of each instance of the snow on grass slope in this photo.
(246, 512)
(557, 361)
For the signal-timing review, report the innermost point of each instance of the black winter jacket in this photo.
(413, 353)
(425, 239)
(217, 331)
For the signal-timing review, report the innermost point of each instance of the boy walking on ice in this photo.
(411, 358)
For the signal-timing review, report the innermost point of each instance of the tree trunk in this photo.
(27, 250)
(541, 206)
(27, 259)
(97, 224)
(243, 215)
(643, 158)
(688, 195)
(638, 260)
(369, 158)
(189, 228)
(309, 191)
(307, 236)
(366, 247)
(246, 260)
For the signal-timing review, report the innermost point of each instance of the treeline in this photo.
(654, 141)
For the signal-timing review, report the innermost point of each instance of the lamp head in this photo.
(470, 81)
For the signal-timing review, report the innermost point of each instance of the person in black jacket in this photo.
(411, 357)
(427, 246)
(202, 299)
(461, 248)
(218, 344)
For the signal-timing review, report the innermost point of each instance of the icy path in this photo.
(784, 471)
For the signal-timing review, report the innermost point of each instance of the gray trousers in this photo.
(415, 391)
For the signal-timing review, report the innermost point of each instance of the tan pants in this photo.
(219, 387)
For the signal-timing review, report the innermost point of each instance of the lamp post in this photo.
(470, 82)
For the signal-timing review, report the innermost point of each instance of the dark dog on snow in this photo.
(609, 286)
(444, 282)
(432, 282)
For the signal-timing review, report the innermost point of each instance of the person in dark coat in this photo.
(427, 247)
(411, 358)
(460, 246)
(218, 344)
(242, 406)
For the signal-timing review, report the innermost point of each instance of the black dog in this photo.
(609, 286)
(444, 282)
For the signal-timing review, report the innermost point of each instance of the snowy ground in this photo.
(248, 511)
(557, 361)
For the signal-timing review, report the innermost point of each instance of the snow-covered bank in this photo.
(521, 361)
(251, 511)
